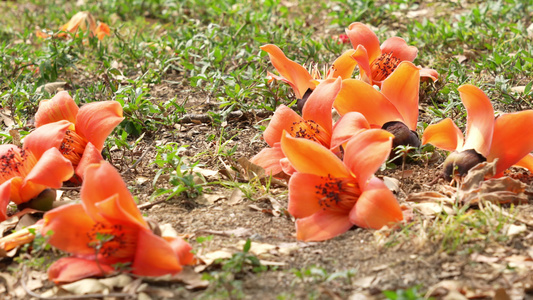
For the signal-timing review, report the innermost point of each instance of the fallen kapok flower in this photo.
(106, 230)
(315, 124)
(25, 173)
(505, 138)
(82, 131)
(81, 21)
(299, 78)
(377, 63)
(328, 196)
(20, 237)
(394, 108)
(341, 39)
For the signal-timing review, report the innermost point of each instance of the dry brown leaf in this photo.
(8, 225)
(236, 197)
(238, 232)
(392, 183)
(209, 199)
(51, 87)
(501, 294)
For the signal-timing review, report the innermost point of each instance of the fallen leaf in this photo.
(518, 89)
(8, 225)
(431, 209)
(209, 199)
(209, 258)
(392, 183)
(236, 197)
(86, 286)
(51, 87)
(501, 294)
(513, 230)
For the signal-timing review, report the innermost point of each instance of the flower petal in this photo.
(283, 119)
(97, 120)
(182, 249)
(295, 74)
(70, 269)
(91, 155)
(445, 135)
(49, 172)
(399, 49)
(356, 95)
(401, 88)
(429, 73)
(512, 139)
(361, 57)
(318, 106)
(69, 224)
(322, 225)
(360, 34)
(60, 107)
(51, 169)
(346, 127)
(269, 159)
(376, 207)
(154, 256)
(526, 162)
(303, 199)
(102, 181)
(343, 66)
(47, 136)
(366, 152)
(479, 121)
(309, 157)
(5, 194)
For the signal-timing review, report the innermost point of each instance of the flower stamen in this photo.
(16, 163)
(311, 130)
(73, 146)
(338, 194)
(383, 66)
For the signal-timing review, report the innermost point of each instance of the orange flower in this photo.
(84, 130)
(301, 81)
(377, 63)
(25, 173)
(84, 21)
(107, 228)
(315, 124)
(394, 108)
(328, 196)
(506, 138)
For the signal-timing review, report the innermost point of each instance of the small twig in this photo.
(138, 160)
(87, 296)
(150, 204)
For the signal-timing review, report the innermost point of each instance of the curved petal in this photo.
(5, 194)
(366, 152)
(361, 57)
(318, 106)
(401, 88)
(343, 66)
(346, 127)
(69, 224)
(182, 249)
(70, 269)
(47, 136)
(376, 207)
(429, 73)
(60, 107)
(445, 135)
(290, 70)
(303, 199)
(154, 256)
(91, 155)
(399, 49)
(512, 139)
(479, 121)
(284, 118)
(360, 34)
(286, 166)
(51, 170)
(97, 120)
(312, 158)
(322, 225)
(268, 159)
(102, 30)
(101, 182)
(356, 95)
(526, 162)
